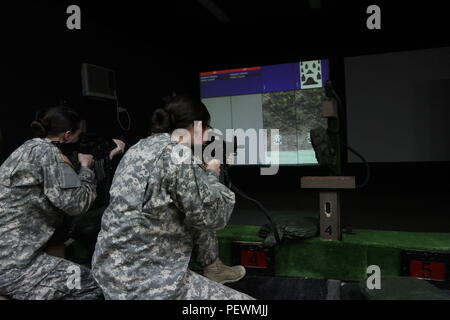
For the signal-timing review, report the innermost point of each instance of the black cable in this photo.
(366, 180)
(261, 207)
(330, 92)
(226, 180)
(123, 110)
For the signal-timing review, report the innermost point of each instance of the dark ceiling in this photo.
(205, 28)
(293, 17)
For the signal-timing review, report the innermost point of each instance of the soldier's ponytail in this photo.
(55, 121)
(38, 129)
(179, 112)
(162, 121)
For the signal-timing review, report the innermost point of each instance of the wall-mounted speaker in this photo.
(98, 82)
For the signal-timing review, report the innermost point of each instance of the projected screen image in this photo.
(287, 97)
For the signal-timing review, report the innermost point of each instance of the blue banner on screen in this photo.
(278, 77)
(287, 97)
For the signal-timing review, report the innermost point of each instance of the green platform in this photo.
(344, 260)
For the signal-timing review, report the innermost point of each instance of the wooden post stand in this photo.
(330, 215)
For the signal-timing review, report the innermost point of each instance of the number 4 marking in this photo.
(328, 230)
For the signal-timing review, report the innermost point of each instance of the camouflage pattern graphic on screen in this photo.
(294, 113)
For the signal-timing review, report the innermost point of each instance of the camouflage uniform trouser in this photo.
(50, 278)
(206, 250)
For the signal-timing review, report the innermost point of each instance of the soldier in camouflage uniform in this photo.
(37, 187)
(159, 212)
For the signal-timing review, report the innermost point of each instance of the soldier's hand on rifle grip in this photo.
(86, 160)
(230, 159)
(118, 150)
(214, 165)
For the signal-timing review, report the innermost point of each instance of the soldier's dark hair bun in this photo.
(38, 129)
(54, 121)
(162, 121)
(179, 113)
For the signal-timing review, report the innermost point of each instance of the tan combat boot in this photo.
(221, 273)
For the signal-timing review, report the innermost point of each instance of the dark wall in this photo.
(41, 66)
(398, 107)
(41, 63)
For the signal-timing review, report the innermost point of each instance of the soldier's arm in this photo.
(71, 192)
(206, 203)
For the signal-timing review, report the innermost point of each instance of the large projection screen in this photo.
(398, 106)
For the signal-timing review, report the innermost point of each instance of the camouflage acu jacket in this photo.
(36, 188)
(156, 208)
